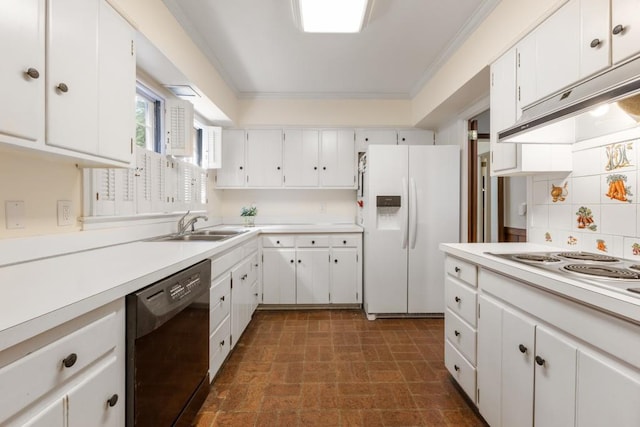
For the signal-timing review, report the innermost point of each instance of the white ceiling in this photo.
(259, 50)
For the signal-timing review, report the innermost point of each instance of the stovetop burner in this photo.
(604, 271)
(536, 258)
(587, 256)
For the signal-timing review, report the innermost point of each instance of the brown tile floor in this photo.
(336, 368)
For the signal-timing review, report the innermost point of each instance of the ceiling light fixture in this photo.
(331, 16)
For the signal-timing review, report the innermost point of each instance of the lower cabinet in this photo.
(76, 379)
(311, 269)
(532, 373)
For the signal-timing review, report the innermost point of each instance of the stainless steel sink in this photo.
(200, 236)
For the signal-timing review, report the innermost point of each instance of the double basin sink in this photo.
(201, 236)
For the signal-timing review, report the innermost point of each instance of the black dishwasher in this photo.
(168, 349)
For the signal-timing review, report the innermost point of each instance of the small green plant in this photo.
(250, 211)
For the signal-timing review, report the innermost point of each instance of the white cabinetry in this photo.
(366, 137)
(301, 157)
(219, 322)
(232, 173)
(625, 29)
(337, 159)
(264, 158)
(536, 368)
(73, 379)
(595, 38)
(518, 159)
(22, 71)
(311, 269)
(460, 322)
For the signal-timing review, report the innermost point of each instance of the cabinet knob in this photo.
(32, 73)
(335, 261)
(299, 261)
(456, 367)
(522, 349)
(540, 361)
(595, 43)
(344, 242)
(366, 139)
(63, 88)
(456, 333)
(278, 168)
(291, 261)
(404, 139)
(457, 299)
(277, 242)
(324, 168)
(618, 29)
(256, 294)
(111, 402)
(315, 168)
(457, 269)
(241, 168)
(256, 265)
(222, 343)
(222, 298)
(70, 360)
(313, 242)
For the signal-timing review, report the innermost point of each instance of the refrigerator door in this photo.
(435, 205)
(385, 266)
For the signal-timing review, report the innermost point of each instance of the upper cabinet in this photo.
(518, 159)
(366, 137)
(82, 103)
(595, 36)
(290, 158)
(625, 29)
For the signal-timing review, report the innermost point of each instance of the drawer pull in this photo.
(618, 29)
(540, 361)
(256, 294)
(32, 73)
(335, 260)
(222, 298)
(222, 343)
(313, 242)
(62, 87)
(111, 402)
(299, 261)
(70, 360)
(456, 333)
(457, 299)
(594, 43)
(344, 242)
(457, 368)
(522, 349)
(257, 265)
(457, 269)
(291, 261)
(277, 242)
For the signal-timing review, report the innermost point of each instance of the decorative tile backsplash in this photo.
(595, 208)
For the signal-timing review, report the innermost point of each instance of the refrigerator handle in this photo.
(413, 214)
(405, 200)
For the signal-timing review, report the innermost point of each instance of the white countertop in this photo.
(42, 294)
(618, 304)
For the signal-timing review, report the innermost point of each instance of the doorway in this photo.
(480, 182)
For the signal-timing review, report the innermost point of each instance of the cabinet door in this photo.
(627, 42)
(279, 276)
(489, 360)
(178, 123)
(116, 85)
(232, 173)
(344, 276)
(366, 137)
(415, 137)
(555, 380)
(240, 289)
(503, 110)
(143, 180)
(337, 159)
(607, 393)
(99, 399)
(22, 32)
(595, 45)
(72, 75)
(264, 158)
(558, 50)
(518, 349)
(51, 416)
(525, 73)
(301, 158)
(312, 276)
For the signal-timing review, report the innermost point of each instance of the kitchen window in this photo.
(148, 122)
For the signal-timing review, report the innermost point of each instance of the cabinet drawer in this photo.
(224, 262)
(461, 299)
(461, 335)
(347, 241)
(220, 299)
(255, 296)
(30, 377)
(278, 241)
(312, 241)
(219, 347)
(249, 248)
(461, 370)
(463, 270)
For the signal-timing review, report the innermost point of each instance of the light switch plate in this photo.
(14, 214)
(65, 213)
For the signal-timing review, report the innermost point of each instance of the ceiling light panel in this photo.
(332, 16)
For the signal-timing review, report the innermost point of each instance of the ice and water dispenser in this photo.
(388, 212)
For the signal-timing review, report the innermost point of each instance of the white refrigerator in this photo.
(411, 204)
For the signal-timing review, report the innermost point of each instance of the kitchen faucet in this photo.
(182, 226)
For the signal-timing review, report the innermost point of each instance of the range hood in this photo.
(559, 118)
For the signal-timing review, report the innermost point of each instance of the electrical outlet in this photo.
(65, 213)
(14, 214)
